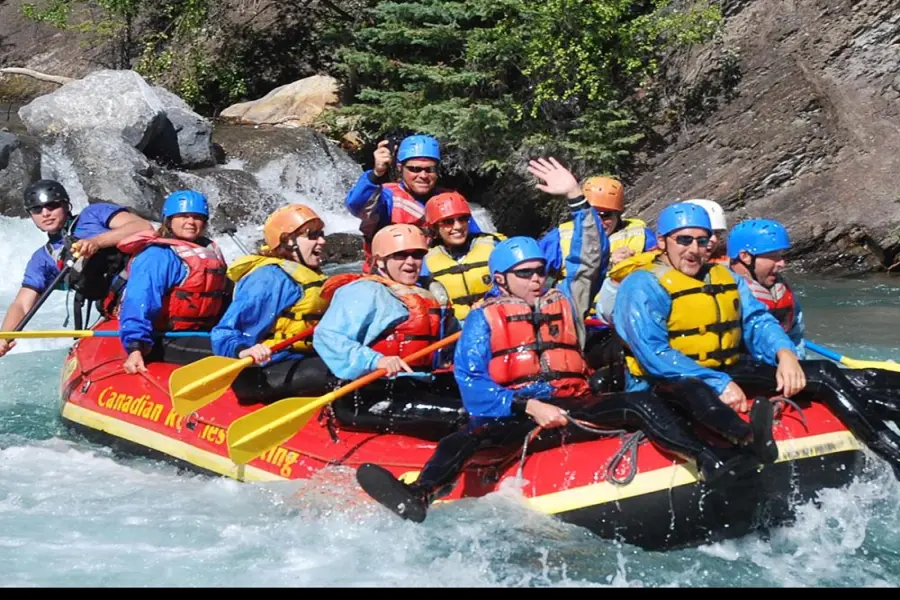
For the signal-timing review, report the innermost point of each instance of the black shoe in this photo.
(718, 472)
(392, 493)
(762, 417)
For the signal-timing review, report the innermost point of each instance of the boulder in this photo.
(119, 104)
(296, 104)
(96, 167)
(185, 138)
(20, 165)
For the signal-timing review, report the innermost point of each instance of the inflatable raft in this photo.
(654, 501)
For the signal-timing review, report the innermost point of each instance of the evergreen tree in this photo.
(490, 78)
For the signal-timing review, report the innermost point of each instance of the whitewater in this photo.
(74, 513)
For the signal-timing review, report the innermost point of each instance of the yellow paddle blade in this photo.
(253, 434)
(195, 385)
(856, 363)
(22, 335)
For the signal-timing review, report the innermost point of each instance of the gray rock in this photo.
(95, 166)
(20, 165)
(185, 139)
(117, 103)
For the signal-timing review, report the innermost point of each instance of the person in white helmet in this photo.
(717, 242)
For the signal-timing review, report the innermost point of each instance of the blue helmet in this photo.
(682, 215)
(419, 146)
(757, 236)
(513, 251)
(185, 201)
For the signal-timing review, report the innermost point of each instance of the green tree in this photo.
(493, 77)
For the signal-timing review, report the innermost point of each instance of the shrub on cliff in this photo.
(493, 77)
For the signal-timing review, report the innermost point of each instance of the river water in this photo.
(73, 514)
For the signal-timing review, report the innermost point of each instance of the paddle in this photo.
(85, 333)
(70, 264)
(195, 385)
(853, 362)
(253, 434)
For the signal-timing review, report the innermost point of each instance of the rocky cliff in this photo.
(809, 135)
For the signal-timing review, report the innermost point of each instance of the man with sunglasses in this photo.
(92, 234)
(519, 364)
(379, 202)
(717, 243)
(372, 323)
(279, 292)
(458, 258)
(684, 322)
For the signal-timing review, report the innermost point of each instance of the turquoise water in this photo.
(74, 514)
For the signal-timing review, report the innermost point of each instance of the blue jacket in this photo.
(359, 313)
(640, 317)
(552, 250)
(153, 272)
(258, 300)
(373, 204)
(42, 268)
(482, 396)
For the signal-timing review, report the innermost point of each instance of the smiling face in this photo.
(686, 249)
(420, 175)
(188, 226)
(454, 231)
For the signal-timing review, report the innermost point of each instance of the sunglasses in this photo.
(314, 234)
(529, 273)
(404, 254)
(687, 240)
(450, 221)
(413, 169)
(606, 214)
(51, 206)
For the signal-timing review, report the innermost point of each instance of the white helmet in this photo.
(715, 212)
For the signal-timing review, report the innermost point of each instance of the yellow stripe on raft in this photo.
(552, 503)
(162, 443)
(681, 474)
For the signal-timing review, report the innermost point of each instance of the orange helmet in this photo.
(397, 238)
(289, 219)
(445, 205)
(605, 193)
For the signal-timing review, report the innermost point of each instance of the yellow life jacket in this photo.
(705, 320)
(303, 314)
(466, 280)
(633, 236)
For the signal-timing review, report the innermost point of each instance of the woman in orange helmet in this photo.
(278, 294)
(458, 258)
(372, 323)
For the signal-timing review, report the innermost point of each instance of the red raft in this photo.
(662, 505)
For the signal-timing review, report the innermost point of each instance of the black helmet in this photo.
(45, 191)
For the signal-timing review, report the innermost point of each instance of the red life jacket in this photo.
(196, 303)
(405, 209)
(530, 344)
(779, 300)
(421, 329)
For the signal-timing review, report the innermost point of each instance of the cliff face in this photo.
(810, 134)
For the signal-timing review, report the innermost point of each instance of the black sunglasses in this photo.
(413, 169)
(51, 206)
(687, 240)
(404, 254)
(450, 221)
(529, 273)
